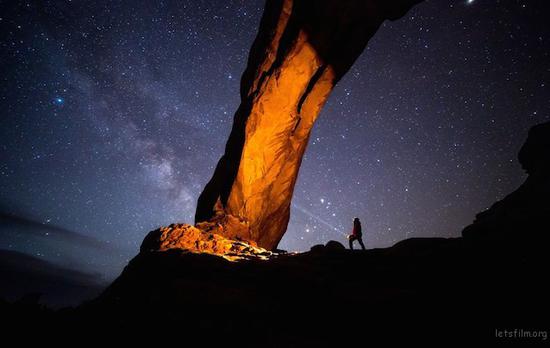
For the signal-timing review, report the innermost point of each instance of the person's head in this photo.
(355, 220)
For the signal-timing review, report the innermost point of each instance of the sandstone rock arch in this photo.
(302, 49)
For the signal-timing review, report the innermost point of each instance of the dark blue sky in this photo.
(114, 114)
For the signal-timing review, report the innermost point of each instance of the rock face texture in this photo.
(301, 51)
(206, 237)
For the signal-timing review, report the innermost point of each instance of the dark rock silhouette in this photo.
(334, 245)
(450, 289)
(494, 277)
(301, 51)
(534, 156)
(464, 288)
(521, 219)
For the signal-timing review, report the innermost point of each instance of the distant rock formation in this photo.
(522, 218)
(302, 49)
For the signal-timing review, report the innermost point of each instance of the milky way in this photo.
(114, 115)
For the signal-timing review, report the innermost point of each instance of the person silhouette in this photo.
(356, 234)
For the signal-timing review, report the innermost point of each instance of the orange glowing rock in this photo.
(301, 51)
(203, 238)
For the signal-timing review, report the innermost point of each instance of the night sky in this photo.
(114, 114)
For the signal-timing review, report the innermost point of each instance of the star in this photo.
(397, 139)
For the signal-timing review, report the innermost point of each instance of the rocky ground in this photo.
(418, 289)
(492, 278)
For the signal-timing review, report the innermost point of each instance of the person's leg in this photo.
(360, 240)
(351, 243)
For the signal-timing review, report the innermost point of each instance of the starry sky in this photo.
(114, 114)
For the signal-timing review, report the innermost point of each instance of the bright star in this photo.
(469, 2)
(58, 101)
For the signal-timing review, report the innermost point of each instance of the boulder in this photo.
(333, 245)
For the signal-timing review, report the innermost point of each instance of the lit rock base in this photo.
(203, 238)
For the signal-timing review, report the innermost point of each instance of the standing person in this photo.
(356, 234)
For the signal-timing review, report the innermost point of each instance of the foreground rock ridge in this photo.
(181, 286)
(301, 51)
(492, 277)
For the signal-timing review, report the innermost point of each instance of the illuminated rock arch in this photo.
(302, 49)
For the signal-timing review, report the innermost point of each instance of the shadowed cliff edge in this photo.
(458, 288)
(491, 278)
